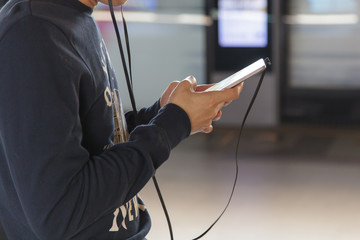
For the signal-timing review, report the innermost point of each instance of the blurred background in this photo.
(299, 155)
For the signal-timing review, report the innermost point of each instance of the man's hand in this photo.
(202, 107)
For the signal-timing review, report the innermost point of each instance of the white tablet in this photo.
(240, 76)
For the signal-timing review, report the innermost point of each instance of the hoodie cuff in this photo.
(175, 121)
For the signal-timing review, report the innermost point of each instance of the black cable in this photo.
(164, 207)
(236, 156)
(127, 45)
(128, 76)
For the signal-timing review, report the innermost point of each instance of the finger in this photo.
(172, 86)
(192, 80)
(166, 94)
(203, 87)
(186, 85)
(208, 129)
(228, 94)
(240, 86)
(227, 103)
(218, 116)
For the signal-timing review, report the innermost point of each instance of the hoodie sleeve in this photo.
(144, 115)
(62, 188)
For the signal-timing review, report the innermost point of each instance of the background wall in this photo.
(184, 4)
(164, 50)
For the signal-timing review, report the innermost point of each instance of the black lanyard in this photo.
(236, 156)
(126, 67)
(129, 82)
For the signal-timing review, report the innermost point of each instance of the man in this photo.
(71, 163)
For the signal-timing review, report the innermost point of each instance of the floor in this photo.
(294, 183)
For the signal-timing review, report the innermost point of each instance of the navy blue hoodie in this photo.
(69, 168)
